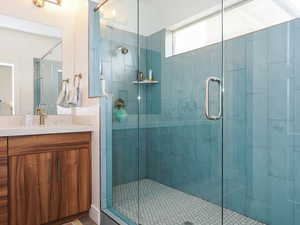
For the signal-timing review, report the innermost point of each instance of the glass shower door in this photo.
(180, 124)
(115, 48)
(161, 116)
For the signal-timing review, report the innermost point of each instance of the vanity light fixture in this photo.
(41, 3)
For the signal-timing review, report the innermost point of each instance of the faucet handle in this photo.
(38, 111)
(41, 112)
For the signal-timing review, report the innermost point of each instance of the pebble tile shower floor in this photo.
(162, 205)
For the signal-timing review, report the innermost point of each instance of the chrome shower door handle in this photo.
(208, 116)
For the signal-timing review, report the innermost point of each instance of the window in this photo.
(197, 35)
(240, 19)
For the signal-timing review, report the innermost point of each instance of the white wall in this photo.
(88, 113)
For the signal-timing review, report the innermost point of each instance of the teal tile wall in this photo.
(128, 161)
(265, 188)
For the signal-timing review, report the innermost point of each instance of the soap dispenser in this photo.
(120, 112)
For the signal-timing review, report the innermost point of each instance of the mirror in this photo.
(31, 66)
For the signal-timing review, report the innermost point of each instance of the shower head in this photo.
(123, 50)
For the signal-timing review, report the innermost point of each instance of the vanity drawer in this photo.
(24, 145)
(3, 147)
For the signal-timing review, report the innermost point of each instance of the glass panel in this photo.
(181, 150)
(117, 46)
(261, 135)
(48, 79)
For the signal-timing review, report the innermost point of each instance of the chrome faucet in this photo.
(42, 114)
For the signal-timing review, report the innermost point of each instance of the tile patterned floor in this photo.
(76, 222)
(87, 221)
(162, 205)
(82, 221)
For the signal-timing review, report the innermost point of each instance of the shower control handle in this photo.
(207, 111)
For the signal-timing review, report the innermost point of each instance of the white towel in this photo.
(75, 93)
(63, 97)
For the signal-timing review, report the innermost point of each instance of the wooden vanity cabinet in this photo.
(3, 182)
(49, 177)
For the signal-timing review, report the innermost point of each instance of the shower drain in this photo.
(188, 223)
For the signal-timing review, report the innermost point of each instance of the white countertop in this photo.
(46, 129)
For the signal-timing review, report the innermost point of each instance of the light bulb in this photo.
(39, 3)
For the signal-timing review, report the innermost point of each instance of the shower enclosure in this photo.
(199, 120)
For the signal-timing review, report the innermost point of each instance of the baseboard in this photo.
(95, 214)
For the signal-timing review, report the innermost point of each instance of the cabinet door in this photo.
(33, 198)
(74, 177)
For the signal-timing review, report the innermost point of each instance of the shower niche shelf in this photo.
(146, 82)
